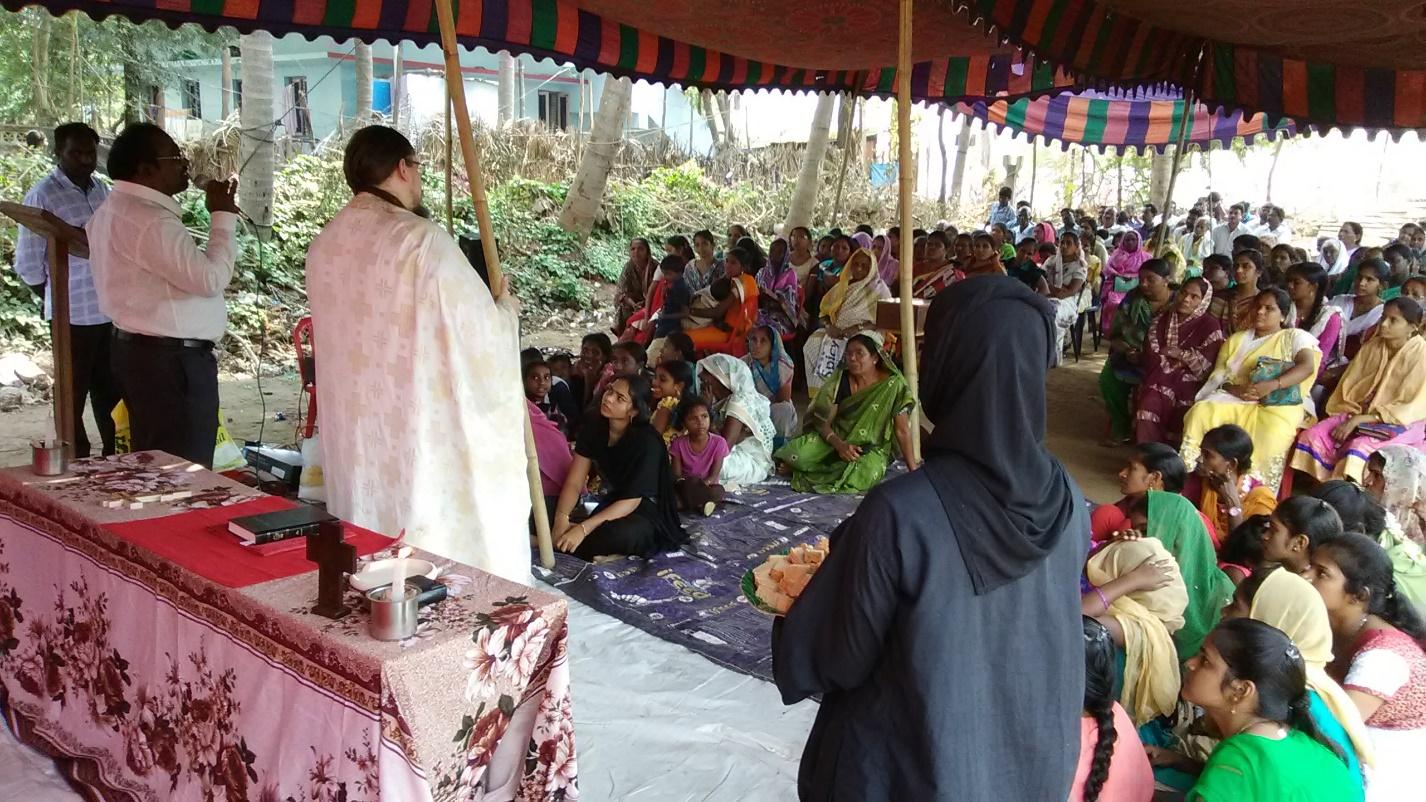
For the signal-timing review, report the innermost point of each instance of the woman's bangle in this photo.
(1102, 598)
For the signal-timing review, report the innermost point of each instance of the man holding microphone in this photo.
(164, 293)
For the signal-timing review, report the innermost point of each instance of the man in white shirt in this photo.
(1276, 228)
(1225, 233)
(72, 194)
(164, 293)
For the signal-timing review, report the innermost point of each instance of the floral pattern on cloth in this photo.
(161, 685)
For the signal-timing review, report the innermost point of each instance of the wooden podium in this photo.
(64, 240)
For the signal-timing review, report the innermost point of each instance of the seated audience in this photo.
(638, 514)
(1226, 489)
(985, 257)
(593, 369)
(1282, 599)
(1112, 764)
(632, 289)
(706, 267)
(1026, 269)
(737, 313)
(667, 305)
(1361, 312)
(1121, 274)
(673, 386)
(1067, 275)
(1179, 352)
(778, 304)
(675, 348)
(1173, 521)
(1218, 270)
(741, 416)
(848, 309)
(1378, 639)
(1381, 400)
(1363, 513)
(697, 458)
(1299, 525)
(773, 372)
(1137, 593)
(851, 425)
(1259, 383)
(1251, 681)
(1124, 368)
(1312, 311)
(1396, 476)
(1241, 555)
(538, 384)
(552, 450)
(1249, 278)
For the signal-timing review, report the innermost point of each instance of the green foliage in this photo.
(20, 319)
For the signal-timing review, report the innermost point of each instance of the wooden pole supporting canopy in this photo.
(456, 87)
(908, 225)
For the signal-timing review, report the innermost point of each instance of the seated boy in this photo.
(1024, 267)
(676, 298)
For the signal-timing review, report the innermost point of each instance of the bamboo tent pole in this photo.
(908, 311)
(456, 86)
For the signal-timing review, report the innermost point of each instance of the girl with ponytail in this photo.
(1378, 638)
(1112, 764)
(1252, 682)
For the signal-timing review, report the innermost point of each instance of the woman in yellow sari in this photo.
(1262, 375)
(848, 308)
(1380, 401)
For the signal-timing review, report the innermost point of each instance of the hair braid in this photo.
(1103, 754)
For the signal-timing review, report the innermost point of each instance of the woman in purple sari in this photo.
(1121, 275)
(1179, 352)
(777, 291)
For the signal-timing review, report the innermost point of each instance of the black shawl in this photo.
(988, 347)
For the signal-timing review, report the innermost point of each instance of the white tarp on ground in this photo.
(653, 721)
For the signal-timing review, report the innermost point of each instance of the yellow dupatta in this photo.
(1240, 354)
(1149, 619)
(1290, 603)
(1378, 382)
(851, 296)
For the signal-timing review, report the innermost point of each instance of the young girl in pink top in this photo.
(1113, 766)
(697, 459)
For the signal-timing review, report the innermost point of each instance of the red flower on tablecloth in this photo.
(477, 737)
(10, 620)
(508, 643)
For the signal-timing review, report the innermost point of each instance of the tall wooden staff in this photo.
(908, 224)
(456, 86)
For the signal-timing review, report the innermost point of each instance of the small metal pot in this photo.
(392, 620)
(47, 457)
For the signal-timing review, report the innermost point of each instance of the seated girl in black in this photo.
(639, 513)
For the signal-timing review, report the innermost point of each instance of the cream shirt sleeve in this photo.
(170, 252)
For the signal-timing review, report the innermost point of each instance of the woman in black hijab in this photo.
(943, 630)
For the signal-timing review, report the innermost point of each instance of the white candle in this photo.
(398, 574)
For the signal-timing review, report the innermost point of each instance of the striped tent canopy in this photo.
(1323, 62)
(797, 45)
(1116, 120)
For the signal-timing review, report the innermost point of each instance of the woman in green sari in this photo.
(1124, 368)
(1175, 522)
(847, 440)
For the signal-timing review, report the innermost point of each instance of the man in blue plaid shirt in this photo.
(72, 193)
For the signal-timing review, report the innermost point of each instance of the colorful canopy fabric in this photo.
(1326, 63)
(1104, 120)
(820, 45)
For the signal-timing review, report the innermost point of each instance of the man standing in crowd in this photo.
(72, 194)
(164, 293)
(1275, 226)
(422, 404)
(1002, 212)
(1225, 233)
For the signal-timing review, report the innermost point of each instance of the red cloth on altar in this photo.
(199, 541)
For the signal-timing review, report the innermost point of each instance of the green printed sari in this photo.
(866, 419)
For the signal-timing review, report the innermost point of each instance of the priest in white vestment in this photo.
(419, 399)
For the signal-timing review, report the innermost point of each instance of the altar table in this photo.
(155, 659)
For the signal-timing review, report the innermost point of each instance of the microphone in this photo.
(202, 182)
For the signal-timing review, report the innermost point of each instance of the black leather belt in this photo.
(166, 342)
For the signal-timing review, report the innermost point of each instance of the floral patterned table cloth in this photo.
(149, 682)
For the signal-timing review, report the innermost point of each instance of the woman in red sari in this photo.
(729, 335)
(1179, 353)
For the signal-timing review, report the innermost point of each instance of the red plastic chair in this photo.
(304, 345)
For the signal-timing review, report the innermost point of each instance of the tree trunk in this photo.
(804, 196)
(1160, 169)
(363, 83)
(396, 93)
(941, 141)
(958, 173)
(39, 64)
(76, 103)
(848, 141)
(255, 148)
(226, 91)
(505, 91)
(710, 118)
(1272, 170)
(606, 135)
(518, 105)
(725, 112)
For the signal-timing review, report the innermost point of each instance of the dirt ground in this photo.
(1076, 417)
